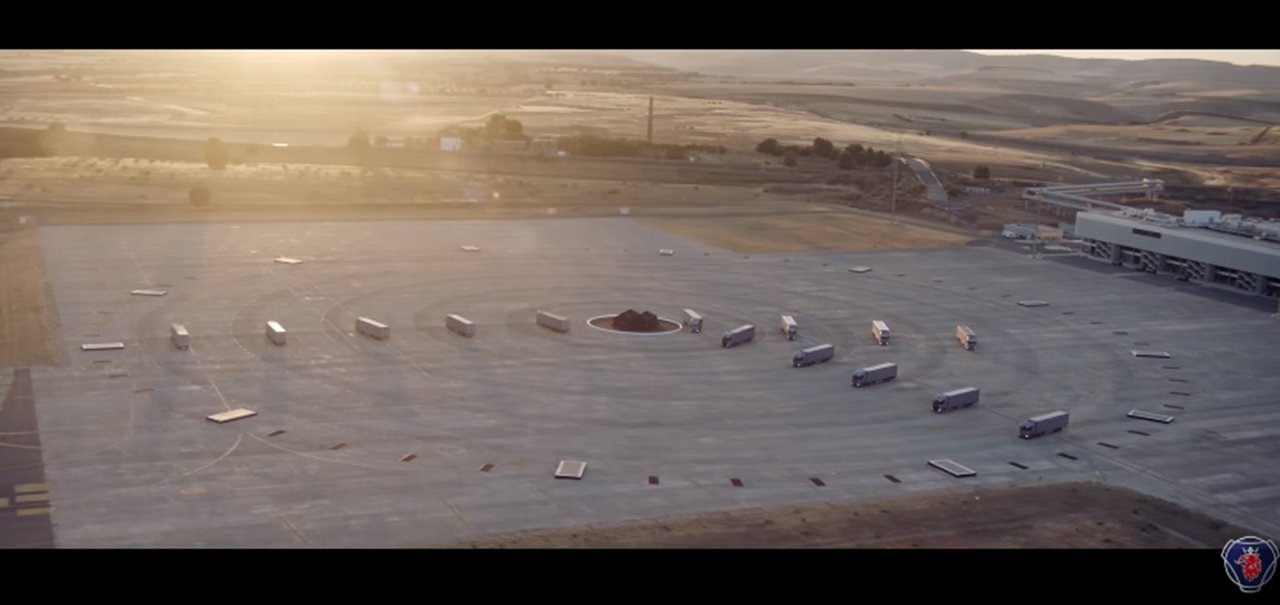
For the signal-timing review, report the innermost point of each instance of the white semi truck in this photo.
(813, 355)
(1043, 424)
(739, 335)
(693, 321)
(552, 321)
(789, 327)
(880, 331)
(875, 374)
(967, 338)
(954, 400)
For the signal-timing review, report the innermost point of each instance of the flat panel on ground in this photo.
(284, 260)
(1152, 416)
(102, 346)
(859, 269)
(570, 469)
(1156, 354)
(148, 292)
(1033, 303)
(952, 467)
(230, 415)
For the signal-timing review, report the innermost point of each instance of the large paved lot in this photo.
(131, 461)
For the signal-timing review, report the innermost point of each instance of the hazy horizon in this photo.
(1237, 57)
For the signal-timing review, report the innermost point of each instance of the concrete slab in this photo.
(131, 468)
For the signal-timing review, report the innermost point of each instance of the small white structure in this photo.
(178, 333)
(624, 210)
(554, 322)
(284, 260)
(372, 329)
(460, 324)
(275, 332)
(470, 248)
(859, 269)
(571, 469)
(693, 321)
(450, 144)
(789, 327)
(104, 346)
(148, 292)
(551, 211)
(228, 416)
(666, 252)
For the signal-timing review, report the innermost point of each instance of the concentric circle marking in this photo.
(671, 322)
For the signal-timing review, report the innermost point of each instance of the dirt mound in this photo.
(633, 321)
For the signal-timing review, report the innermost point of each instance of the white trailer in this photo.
(552, 321)
(874, 374)
(789, 327)
(1043, 424)
(178, 333)
(739, 335)
(967, 338)
(460, 324)
(693, 321)
(880, 331)
(275, 332)
(954, 400)
(372, 329)
(813, 355)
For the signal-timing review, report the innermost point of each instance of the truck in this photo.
(880, 331)
(967, 338)
(693, 321)
(181, 338)
(553, 321)
(460, 324)
(1043, 424)
(789, 327)
(812, 355)
(739, 335)
(954, 400)
(875, 374)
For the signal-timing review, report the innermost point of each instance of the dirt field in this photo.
(1051, 516)
(814, 230)
(24, 337)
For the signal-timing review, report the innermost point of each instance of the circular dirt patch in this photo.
(604, 323)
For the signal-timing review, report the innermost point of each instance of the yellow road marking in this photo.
(27, 488)
(30, 512)
(4, 502)
(31, 498)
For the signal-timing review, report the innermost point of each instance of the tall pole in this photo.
(651, 121)
(893, 203)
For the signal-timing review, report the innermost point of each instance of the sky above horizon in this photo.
(1239, 57)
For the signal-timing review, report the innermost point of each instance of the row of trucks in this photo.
(790, 329)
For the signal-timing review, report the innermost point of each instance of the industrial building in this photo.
(1201, 246)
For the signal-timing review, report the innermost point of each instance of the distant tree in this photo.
(513, 130)
(216, 154)
(380, 140)
(769, 146)
(854, 149)
(981, 173)
(359, 139)
(847, 161)
(823, 148)
(964, 134)
(199, 196)
(883, 160)
(790, 158)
